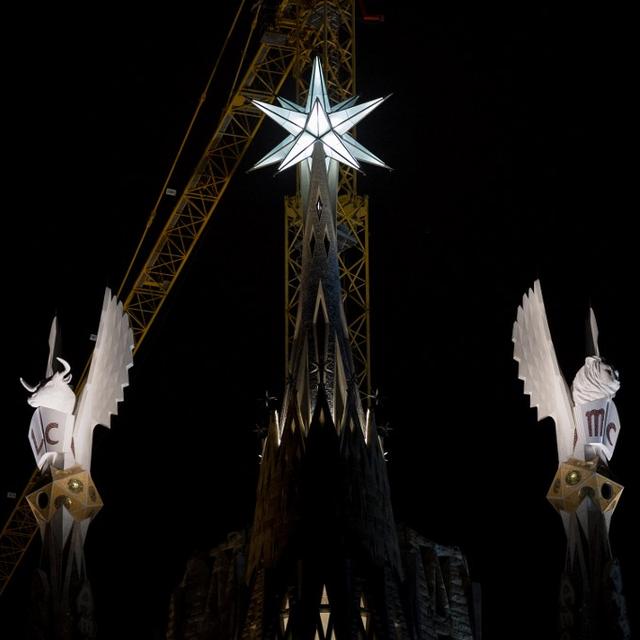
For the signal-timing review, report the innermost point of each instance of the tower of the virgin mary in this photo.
(324, 557)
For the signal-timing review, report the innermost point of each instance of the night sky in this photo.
(507, 134)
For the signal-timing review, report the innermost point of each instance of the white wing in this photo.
(538, 369)
(108, 376)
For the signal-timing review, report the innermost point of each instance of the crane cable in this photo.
(202, 100)
(244, 51)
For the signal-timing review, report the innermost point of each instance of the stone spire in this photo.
(324, 558)
(323, 527)
(321, 355)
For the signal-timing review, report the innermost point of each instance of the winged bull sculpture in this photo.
(61, 436)
(61, 430)
(591, 602)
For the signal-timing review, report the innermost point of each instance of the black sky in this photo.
(507, 134)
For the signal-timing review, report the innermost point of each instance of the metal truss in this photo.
(17, 533)
(237, 128)
(353, 236)
(332, 23)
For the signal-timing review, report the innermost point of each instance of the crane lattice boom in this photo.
(300, 28)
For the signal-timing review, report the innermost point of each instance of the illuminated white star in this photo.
(318, 121)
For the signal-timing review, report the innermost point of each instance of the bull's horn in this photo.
(28, 387)
(65, 364)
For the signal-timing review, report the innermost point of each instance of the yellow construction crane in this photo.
(298, 29)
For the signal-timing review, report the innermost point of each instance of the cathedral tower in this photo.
(324, 558)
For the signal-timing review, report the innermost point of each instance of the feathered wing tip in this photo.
(532, 344)
(54, 348)
(592, 334)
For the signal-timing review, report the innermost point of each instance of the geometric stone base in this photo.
(578, 479)
(70, 488)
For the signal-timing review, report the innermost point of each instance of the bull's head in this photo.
(54, 392)
(596, 379)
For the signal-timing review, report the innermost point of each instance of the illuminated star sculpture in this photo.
(318, 121)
